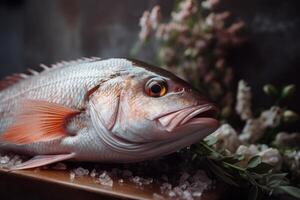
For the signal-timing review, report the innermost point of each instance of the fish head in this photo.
(158, 106)
(147, 104)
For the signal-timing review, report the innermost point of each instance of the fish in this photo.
(112, 110)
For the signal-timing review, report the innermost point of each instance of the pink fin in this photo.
(10, 80)
(42, 160)
(38, 121)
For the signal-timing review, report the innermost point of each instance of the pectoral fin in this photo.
(42, 160)
(38, 121)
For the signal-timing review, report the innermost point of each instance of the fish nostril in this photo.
(180, 89)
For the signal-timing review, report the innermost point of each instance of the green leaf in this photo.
(230, 159)
(239, 157)
(254, 162)
(262, 168)
(293, 191)
(253, 193)
(275, 180)
(194, 156)
(214, 156)
(210, 140)
(233, 159)
(221, 174)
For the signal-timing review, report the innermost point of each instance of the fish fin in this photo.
(10, 80)
(15, 78)
(42, 160)
(38, 121)
(75, 62)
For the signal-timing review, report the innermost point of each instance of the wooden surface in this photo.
(55, 184)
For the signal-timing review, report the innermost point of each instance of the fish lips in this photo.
(191, 119)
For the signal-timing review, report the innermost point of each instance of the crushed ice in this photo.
(9, 160)
(187, 185)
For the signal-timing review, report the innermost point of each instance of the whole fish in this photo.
(113, 110)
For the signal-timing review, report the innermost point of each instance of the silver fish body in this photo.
(117, 120)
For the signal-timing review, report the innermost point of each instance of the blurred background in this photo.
(34, 32)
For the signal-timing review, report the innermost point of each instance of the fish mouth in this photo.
(194, 116)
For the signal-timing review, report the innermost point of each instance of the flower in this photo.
(288, 139)
(247, 151)
(217, 21)
(149, 22)
(146, 27)
(186, 9)
(271, 117)
(272, 157)
(292, 159)
(268, 155)
(168, 54)
(210, 4)
(155, 17)
(252, 131)
(226, 138)
(243, 105)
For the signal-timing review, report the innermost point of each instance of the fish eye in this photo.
(156, 87)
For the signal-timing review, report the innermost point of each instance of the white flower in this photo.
(243, 105)
(288, 139)
(246, 151)
(227, 138)
(293, 160)
(272, 157)
(252, 131)
(271, 117)
(268, 155)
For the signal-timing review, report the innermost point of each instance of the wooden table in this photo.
(56, 184)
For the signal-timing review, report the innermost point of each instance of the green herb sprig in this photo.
(257, 176)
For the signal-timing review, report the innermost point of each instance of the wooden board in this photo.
(56, 184)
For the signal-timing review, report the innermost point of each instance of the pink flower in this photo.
(210, 4)
(186, 9)
(155, 17)
(146, 27)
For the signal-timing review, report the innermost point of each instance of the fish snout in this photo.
(203, 115)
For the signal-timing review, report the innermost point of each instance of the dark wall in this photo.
(34, 32)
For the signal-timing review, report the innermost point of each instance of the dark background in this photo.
(48, 31)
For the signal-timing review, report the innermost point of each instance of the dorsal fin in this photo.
(10, 80)
(73, 62)
(15, 78)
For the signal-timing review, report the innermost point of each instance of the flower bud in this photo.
(290, 116)
(226, 112)
(270, 90)
(288, 91)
